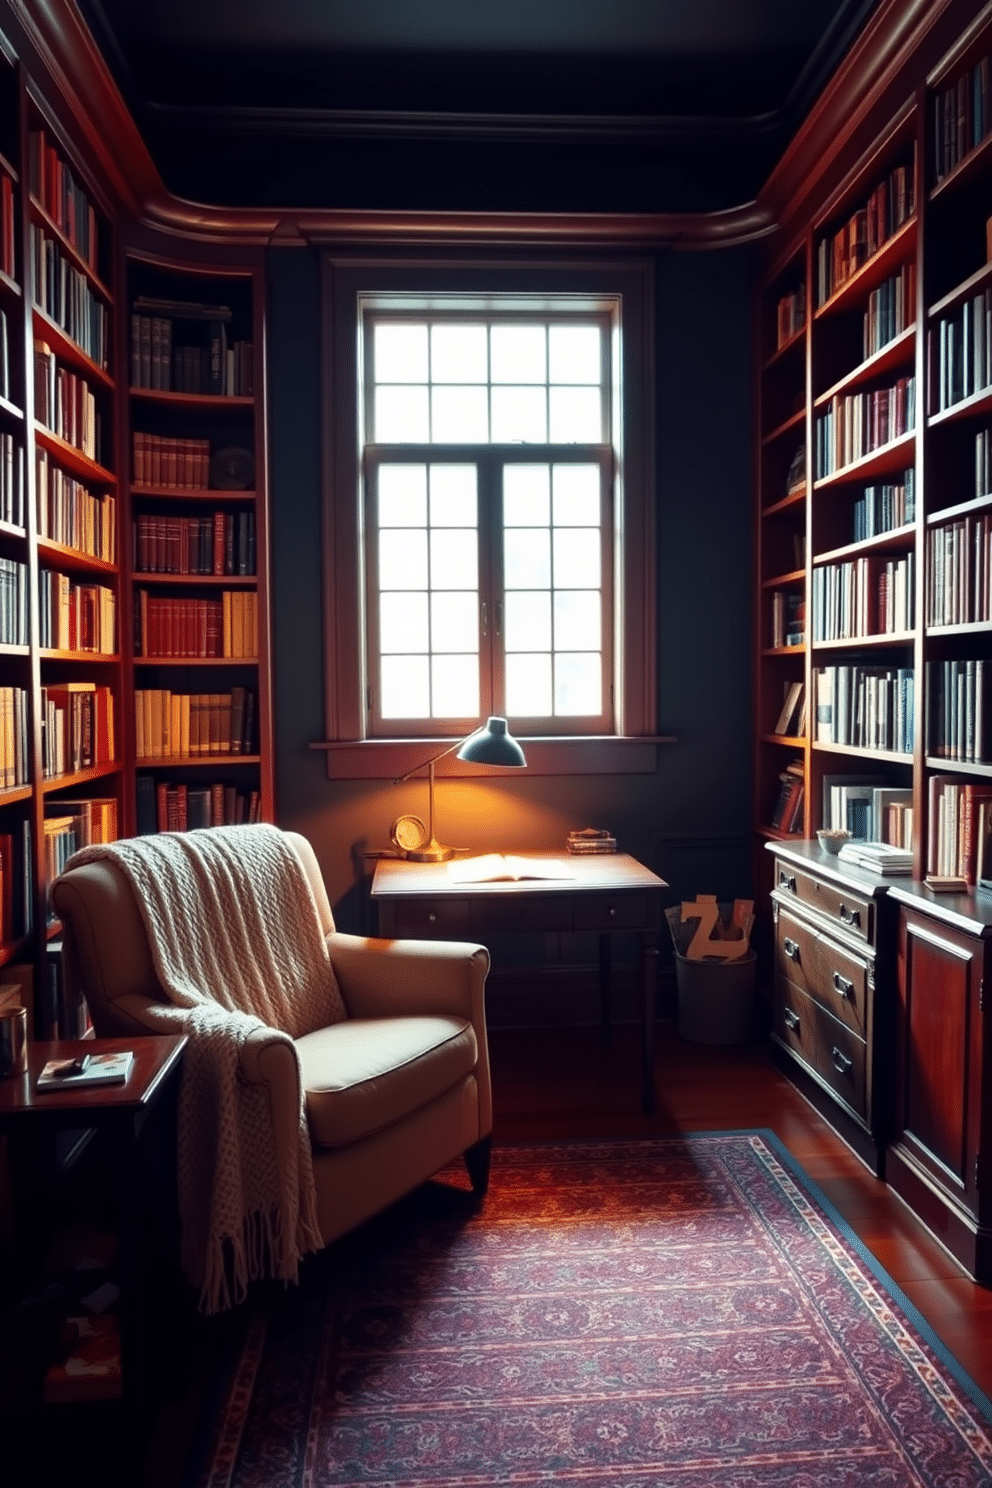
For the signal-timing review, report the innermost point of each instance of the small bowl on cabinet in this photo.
(832, 839)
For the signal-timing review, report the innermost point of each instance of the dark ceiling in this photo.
(512, 105)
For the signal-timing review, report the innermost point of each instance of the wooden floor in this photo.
(554, 1084)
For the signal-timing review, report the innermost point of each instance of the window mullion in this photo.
(490, 587)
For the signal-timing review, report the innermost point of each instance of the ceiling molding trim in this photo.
(879, 59)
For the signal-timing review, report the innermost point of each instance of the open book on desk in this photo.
(504, 868)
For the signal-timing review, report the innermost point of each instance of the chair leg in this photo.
(477, 1161)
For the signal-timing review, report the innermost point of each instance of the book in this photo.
(86, 1069)
(504, 867)
(789, 720)
(878, 857)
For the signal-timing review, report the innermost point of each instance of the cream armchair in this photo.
(393, 1093)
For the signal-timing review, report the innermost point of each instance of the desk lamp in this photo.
(491, 745)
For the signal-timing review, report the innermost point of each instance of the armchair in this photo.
(395, 1091)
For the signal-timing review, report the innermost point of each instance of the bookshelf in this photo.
(200, 724)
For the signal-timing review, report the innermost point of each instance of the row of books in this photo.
(175, 464)
(962, 117)
(55, 188)
(165, 806)
(63, 292)
(883, 508)
(959, 571)
(787, 813)
(869, 808)
(77, 727)
(64, 403)
(788, 617)
(8, 240)
(13, 603)
(173, 725)
(791, 720)
(197, 627)
(959, 708)
(891, 310)
(872, 595)
(840, 255)
(960, 819)
(207, 365)
(221, 542)
(75, 617)
(71, 514)
(14, 753)
(790, 315)
(866, 707)
(959, 353)
(854, 424)
(16, 888)
(11, 480)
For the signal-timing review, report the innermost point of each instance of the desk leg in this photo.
(649, 985)
(605, 988)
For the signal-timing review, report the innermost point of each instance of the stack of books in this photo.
(878, 857)
(591, 840)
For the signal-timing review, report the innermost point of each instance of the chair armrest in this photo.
(396, 978)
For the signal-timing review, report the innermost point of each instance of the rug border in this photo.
(815, 1192)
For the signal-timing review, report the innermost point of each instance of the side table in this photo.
(122, 1113)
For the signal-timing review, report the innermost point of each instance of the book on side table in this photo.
(86, 1069)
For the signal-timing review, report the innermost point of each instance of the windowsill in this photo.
(603, 754)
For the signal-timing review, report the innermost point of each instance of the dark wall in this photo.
(690, 820)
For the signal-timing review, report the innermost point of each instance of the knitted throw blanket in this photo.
(237, 944)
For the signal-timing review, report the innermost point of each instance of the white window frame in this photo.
(623, 292)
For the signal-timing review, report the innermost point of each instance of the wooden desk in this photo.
(121, 1111)
(602, 893)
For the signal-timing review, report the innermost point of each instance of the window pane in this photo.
(578, 684)
(459, 353)
(578, 624)
(401, 415)
(577, 558)
(528, 686)
(454, 559)
(520, 415)
(518, 354)
(575, 354)
(576, 415)
(405, 687)
(403, 623)
(403, 496)
(454, 622)
(453, 496)
(528, 621)
(526, 500)
(402, 559)
(527, 558)
(576, 496)
(455, 687)
(400, 353)
(459, 415)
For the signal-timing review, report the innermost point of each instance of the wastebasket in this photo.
(716, 999)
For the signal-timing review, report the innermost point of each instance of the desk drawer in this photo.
(611, 912)
(507, 914)
(853, 912)
(426, 918)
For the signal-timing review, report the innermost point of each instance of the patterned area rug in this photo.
(680, 1313)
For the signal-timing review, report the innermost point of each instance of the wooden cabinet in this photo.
(831, 1023)
(940, 1154)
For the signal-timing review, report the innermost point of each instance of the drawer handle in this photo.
(787, 881)
(841, 1063)
(791, 1019)
(850, 916)
(613, 913)
(791, 949)
(432, 917)
(842, 986)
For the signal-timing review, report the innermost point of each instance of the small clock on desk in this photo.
(408, 834)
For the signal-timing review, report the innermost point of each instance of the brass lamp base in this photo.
(433, 852)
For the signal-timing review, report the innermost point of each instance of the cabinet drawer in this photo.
(854, 913)
(841, 1062)
(437, 917)
(795, 1021)
(796, 954)
(842, 984)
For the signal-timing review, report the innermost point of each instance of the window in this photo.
(488, 490)
(489, 508)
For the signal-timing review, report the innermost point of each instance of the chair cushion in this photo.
(364, 1074)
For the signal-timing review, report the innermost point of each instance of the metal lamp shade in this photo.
(492, 745)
